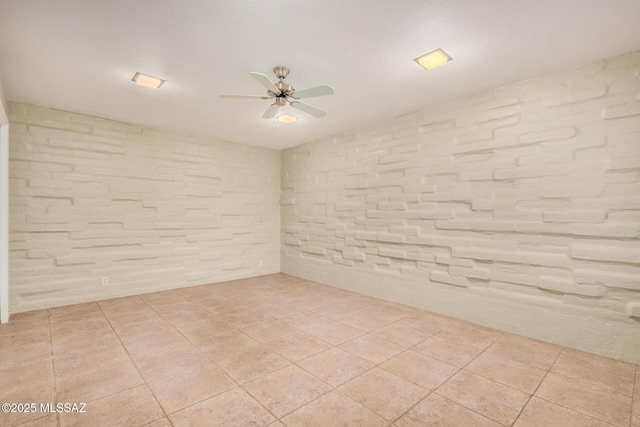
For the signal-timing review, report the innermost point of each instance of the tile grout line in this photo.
(447, 380)
(206, 356)
(98, 398)
(601, 387)
(539, 385)
(53, 367)
(136, 366)
(635, 395)
(333, 388)
(378, 365)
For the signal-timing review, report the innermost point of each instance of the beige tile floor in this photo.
(281, 351)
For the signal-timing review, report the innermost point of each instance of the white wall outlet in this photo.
(105, 281)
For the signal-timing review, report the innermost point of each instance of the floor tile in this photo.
(430, 323)
(134, 331)
(333, 409)
(286, 390)
(252, 363)
(338, 310)
(67, 364)
(29, 376)
(278, 309)
(219, 307)
(452, 352)
(123, 320)
(594, 401)
(437, 411)
(50, 420)
(508, 372)
(234, 408)
(13, 352)
(305, 320)
(335, 366)
(162, 422)
(32, 317)
(175, 361)
(26, 383)
(420, 369)
(389, 310)
(182, 389)
(227, 345)
(635, 415)
(195, 320)
(204, 333)
(490, 399)
(71, 340)
(289, 341)
(526, 350)
(243, 318)
(365, 321)
(269, 331)
(473, 336)
(174, 313)
(298, 346)
(17, 338)
(116, 306)
(155, 343)
(100, 381)
(158, 299)
(613, 374)
(19, 418)
(198, 293)
(372, 349)
(335, 333)
(404, 336)
(74, 311)
(135, 406)
(540, 413)
(384, 393)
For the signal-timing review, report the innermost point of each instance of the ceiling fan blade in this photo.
(309, 109)
(271, 111)
(244, 96)
(313, 91)
(264, 81)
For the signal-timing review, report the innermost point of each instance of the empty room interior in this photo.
(320, 213)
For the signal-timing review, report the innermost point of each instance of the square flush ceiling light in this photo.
(433, 59)
(287, 118)
(147, 81)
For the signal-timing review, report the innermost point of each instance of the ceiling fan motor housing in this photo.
(281, 71)
(282, 93)
(285, 89)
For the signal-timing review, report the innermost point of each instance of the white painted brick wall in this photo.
(149, 209)
(518, 208)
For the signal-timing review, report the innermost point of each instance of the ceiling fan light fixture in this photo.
(147, 80)
(433, 59)
(287, 118)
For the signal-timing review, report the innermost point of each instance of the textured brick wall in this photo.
(149, 209)
(518, 208)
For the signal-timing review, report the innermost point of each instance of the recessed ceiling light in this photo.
(287, 118)
(147, 81)
(433, 59)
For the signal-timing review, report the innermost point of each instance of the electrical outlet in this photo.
(105, 281)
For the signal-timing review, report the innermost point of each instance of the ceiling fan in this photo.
(282, 93)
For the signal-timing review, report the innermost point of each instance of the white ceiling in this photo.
(80, 55)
